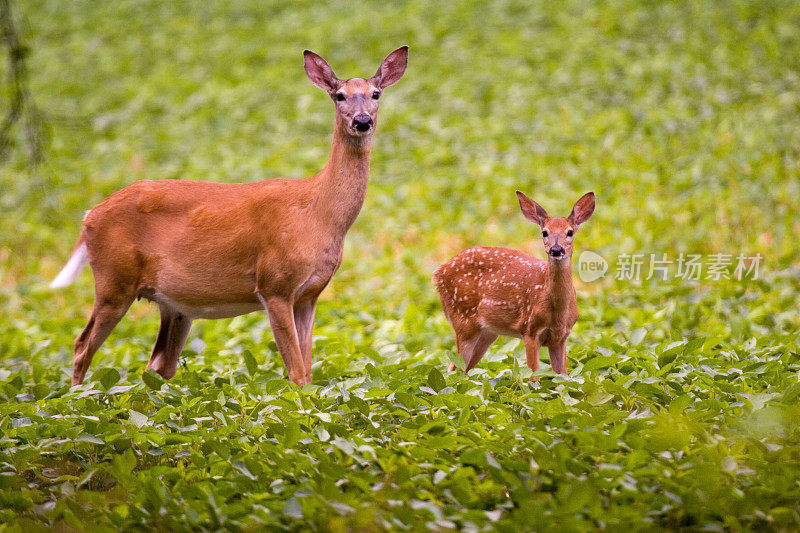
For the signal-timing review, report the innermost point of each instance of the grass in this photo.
(680, 410)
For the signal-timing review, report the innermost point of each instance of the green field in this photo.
(680, 410)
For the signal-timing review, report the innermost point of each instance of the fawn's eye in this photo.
(545, 233)
(569, 233)
(340, 97)
(376, 95)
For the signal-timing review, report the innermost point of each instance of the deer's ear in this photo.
(392, 68)
(532, 211)
(583, 209)
(319, 72)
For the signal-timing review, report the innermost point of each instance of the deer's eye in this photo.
(340, 97)
(569, 233)
(545, 233)
(376, 95)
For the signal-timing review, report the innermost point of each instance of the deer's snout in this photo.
(556, 250)
(362, 122)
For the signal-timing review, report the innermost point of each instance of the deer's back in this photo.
(183, 237)
(494, 286)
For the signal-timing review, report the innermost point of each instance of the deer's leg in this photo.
(107, 313)
(281, 319)
(558, 357)
(473, 348)
(465, 336)
(172, 334)
(479, 347)
(304, 322)
(161, 339)
(532, 354)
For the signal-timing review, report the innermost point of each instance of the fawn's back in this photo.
(496, 288)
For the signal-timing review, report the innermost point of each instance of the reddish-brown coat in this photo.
(212, 250)
(487, 292)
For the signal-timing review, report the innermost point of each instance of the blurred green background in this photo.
(682, 117)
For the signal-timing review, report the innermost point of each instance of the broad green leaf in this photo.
(599, 398)
(250, 362)
(436, 379)
(457, 360)
(136, 418)
(791, 393)
(292, 434)
(638, 335)
(292, 508)
(85, 437)
(152, 380)
(599, 362)
(679, 404)
(108, 377)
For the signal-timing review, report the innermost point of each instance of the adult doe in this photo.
(487, 292)
(214, 250)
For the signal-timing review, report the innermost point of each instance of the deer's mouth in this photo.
(557, 252)
(362, 123)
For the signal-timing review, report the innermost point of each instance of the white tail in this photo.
(76, 262)
(488, 292)
(213, 250)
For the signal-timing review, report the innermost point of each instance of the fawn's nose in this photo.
(362, 122)
(556, 250)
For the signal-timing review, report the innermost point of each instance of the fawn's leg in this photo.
(466, 334)
(558, 357)
(479, 347)
(532, 354)
(473, 349)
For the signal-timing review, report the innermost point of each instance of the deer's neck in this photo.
(342, 184)
(559, 284)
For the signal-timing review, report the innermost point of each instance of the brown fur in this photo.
(488, 292)
(213, 250)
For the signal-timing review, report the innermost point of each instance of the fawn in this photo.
(215, 250)
(488, 292)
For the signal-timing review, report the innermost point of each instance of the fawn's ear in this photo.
(319, 72)
(583, 209)
(532, 211)
(392, 68)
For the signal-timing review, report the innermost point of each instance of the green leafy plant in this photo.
(680, 409)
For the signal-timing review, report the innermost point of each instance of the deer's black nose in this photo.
(556, 251)
(362, 122)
